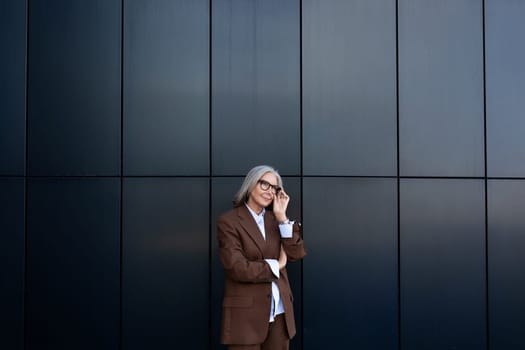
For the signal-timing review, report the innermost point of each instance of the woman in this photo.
(256, 240)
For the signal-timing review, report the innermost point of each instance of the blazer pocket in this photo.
(237, 302)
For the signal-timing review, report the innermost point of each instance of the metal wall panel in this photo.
(349, 87)
(74, 87)
(12, 87)
(506, 244)
(350, 273)
(12, 262)
(166, 87)
(165, 263)
(255, 86)
(442, 238)
(223, 190)
(505, 74)
(441, 88)
(73, 264)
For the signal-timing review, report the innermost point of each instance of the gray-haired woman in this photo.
(256, 240)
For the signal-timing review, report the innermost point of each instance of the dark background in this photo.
(127, 126)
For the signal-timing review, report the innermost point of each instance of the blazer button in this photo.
(269, 295)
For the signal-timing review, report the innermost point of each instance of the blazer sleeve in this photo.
(294, 246)
(236, 266)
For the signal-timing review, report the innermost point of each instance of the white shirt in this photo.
(277, 307)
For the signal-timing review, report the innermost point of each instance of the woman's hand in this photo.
(282, 258)
(280, 204)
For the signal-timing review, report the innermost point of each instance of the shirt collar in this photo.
(256, 216)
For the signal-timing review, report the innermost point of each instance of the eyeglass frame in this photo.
(263, 183)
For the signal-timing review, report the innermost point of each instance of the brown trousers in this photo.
(277, 338)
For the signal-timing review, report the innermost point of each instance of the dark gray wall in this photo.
(441, 88)
(126, 127)
(13, 31)
(73, 88)
(166, 88)
(349, 88)
(72, 263)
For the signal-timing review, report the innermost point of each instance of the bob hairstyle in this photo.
(250, 181)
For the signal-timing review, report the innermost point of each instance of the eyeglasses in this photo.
(265, 186)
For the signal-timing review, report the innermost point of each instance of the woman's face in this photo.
(259, 198)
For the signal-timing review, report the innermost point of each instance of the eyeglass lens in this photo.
(265, 185)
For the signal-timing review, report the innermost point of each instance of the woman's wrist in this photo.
(283, 220)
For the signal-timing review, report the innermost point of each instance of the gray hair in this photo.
(250, 181)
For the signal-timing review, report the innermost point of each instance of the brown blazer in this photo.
(247, 287)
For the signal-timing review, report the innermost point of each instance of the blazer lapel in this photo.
(250, 226)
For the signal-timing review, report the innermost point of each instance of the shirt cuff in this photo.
(286, 230)
(274, 266)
